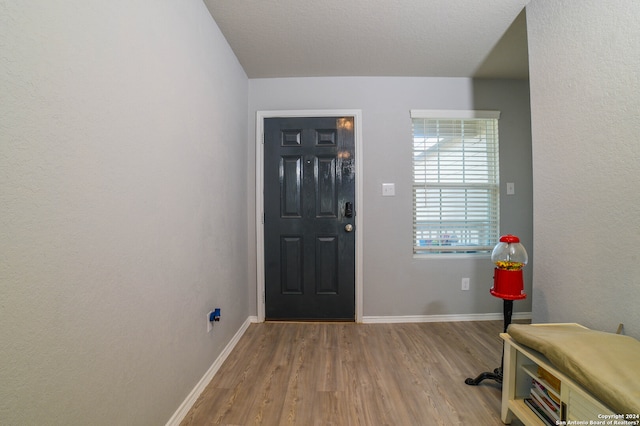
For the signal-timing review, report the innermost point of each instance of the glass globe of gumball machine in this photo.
(509, 257)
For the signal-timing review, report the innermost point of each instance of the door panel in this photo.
(309, 256)
(291, 265)
(326, 197)
(327, 265)
(291, 186)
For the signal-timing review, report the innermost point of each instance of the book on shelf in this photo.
(552, 400)
(551, 395)
(542, 415)
(553, 381)
(543, 403)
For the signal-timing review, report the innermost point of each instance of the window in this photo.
(456, 191)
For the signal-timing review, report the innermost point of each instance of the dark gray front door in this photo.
(309, 228)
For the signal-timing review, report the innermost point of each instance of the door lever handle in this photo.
(348, 209)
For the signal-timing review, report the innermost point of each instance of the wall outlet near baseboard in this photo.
(465, 283)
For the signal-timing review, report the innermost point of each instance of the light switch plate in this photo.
(388, 189)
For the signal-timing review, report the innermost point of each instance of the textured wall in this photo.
(122, 207)
(395, 283)
(585, 80)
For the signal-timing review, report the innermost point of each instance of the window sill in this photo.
(451, 256)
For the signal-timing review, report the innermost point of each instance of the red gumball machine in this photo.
(509, 257)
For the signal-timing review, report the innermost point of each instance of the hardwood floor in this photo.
(356, 374)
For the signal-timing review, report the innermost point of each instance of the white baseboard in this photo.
(442, 318)
(186, 405)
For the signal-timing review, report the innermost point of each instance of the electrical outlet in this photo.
(465, 283)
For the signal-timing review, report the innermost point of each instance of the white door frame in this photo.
(357, 119)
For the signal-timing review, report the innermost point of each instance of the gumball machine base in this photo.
(496, 374)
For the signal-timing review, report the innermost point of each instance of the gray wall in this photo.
(396, 284)
(123, 146)
(585, 82)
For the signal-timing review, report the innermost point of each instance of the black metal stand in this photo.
(497, 373)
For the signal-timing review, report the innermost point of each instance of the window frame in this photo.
(491, 225)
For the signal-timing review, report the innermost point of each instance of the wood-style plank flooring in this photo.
(356, 374)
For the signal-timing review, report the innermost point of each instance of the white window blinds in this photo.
(456, 198)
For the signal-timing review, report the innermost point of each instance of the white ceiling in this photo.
(432, 38)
